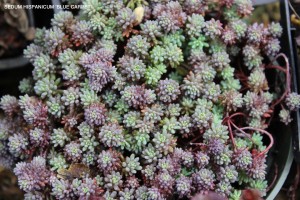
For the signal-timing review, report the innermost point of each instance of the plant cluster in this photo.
(146, 100)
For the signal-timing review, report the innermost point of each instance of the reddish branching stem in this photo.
(196, 138)
(231, 134)
(227, 119)
(276, 67)
(230, 123)
(264, 132)
(199, 144)
(274, 179)
(292, 189)
(237, 114)
(287, 74)
(243, 132)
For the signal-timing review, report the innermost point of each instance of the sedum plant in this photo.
(146, 100)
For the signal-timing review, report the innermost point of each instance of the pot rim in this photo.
(19, 60)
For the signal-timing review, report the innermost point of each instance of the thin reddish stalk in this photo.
(287, 74)
(274, 179)
(243, 132)
(244, 88)
(259, 130)
(265, 132)
(276, 67)
(233, 115)
(196, 138)
(237, 128)
(231, 134)
(228, 118)
(270, 119)
(292, 189)
(237, 114)
(200, 144)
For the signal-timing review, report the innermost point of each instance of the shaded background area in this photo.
(10, 77)
(9, 81)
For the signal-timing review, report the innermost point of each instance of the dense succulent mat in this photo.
(147, 100)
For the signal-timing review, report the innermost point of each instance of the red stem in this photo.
(194, 139)
(274, 179)
(292, 189)
(231, 134)
(264, 132)
(258, 130)
(237, 114)
(237, 128)
(288, 77)
(199, 143)
(233, 115)
(228, 118)
(276, 67)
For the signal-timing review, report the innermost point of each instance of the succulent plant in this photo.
(61, 188)
(131, 164)
(146, 100)
(204, 179)
(113, 181)
(33, 176)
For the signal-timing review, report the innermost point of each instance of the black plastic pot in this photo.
(18, 61)
(286, 145)
(286, 138)
(9, 77)
(35, 21)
